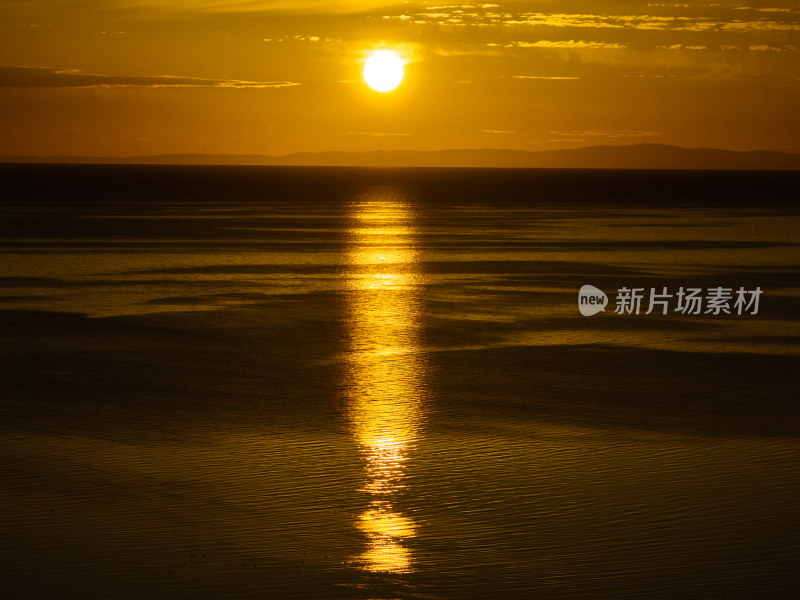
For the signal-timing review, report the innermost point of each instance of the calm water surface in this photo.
(314, 383)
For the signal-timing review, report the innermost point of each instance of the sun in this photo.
(383, 70)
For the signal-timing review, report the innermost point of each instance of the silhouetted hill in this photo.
(637, 156)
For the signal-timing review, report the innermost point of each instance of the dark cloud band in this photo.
(45, 77)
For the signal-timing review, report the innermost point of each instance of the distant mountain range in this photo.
(636, 156)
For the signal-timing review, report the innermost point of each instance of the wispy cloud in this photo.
(496, 131)
(682, 47)
(320, 7)
(766, 9)
(303, 38)
(557, 77)
(378, 133)
(611, 133)
(216, 6)
(579, 44)
(483, 16)
(47, 77)
(768, 48)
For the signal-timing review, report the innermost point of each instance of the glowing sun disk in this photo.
(383, 70)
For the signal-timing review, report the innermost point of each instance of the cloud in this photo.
(768, 48)
(647, 22)
(46, 77)
(467, 50)
(778, 19)
(185, 7)
(496, 131)
(565, 44)
(542, 77)
(239, 6)
(303, 38)
(778, 10)
(378, 133)
(760, 48)
(743, 26)
(682, 47)
(611, 133)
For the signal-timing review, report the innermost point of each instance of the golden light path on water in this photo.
(384, 375)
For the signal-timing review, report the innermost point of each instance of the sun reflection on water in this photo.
(384, 375)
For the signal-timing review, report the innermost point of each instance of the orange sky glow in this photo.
(140, 77)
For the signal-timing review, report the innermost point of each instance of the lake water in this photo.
(246, 382)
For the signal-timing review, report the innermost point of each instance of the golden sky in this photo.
(134, 77)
